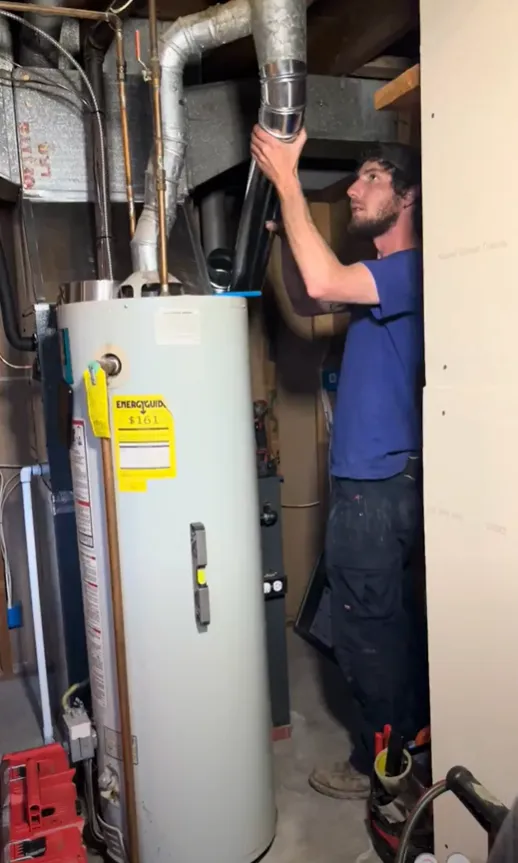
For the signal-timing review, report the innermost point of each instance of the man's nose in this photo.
(353, 191)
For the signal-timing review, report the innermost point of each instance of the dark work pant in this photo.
(375, 567)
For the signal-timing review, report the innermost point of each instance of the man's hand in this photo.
(277, 159)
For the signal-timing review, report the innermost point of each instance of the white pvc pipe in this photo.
(26, 475)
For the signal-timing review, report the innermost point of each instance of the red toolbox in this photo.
(40, 816)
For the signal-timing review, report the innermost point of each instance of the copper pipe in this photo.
(120, 649)
(60, 11)
(114, 20)
(126, 153)
(154, 63)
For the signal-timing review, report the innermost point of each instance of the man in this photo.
(375, 522)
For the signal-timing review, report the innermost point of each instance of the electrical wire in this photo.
(65, 699)
(91, 808)
(122, 8)
(103, 203)
(14, 365)
(98, 827)
(40, 78)
(6, 489)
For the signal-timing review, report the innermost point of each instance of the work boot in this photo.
(342, 781)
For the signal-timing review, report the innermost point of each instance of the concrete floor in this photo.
(20, 726)
(310, 827)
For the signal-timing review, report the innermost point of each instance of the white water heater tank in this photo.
(182, 437)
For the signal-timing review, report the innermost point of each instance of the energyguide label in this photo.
(144, 441)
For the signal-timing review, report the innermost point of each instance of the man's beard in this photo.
(369, 229)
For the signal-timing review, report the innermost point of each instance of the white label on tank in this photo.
(81, 484)
(113, 745)
(94, 627)
(177, 327)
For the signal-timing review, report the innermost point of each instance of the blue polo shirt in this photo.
(378, 413)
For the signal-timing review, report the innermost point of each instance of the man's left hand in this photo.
(277, 159)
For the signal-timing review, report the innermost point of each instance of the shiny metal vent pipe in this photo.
(185, 40)
(279, 30)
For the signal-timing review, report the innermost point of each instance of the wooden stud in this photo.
(403, 92)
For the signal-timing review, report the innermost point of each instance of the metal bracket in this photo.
(62, 502)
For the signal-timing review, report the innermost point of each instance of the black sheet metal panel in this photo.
(275, 606)
(63, 514)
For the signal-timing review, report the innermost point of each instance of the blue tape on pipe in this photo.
(239, 294)
(14, 616)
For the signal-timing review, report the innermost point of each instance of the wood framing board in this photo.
(469, 128)
(403, 92)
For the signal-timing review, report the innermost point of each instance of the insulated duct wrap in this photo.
(185, 40)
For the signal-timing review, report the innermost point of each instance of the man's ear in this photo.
(411, 196)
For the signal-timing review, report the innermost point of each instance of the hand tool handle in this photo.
(483, 806)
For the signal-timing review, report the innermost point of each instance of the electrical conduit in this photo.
(26, 476)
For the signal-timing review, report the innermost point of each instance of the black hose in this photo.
(427, 798)
(7, 308)
(253, 243)
(97, 42)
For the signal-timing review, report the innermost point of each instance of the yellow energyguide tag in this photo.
(97, 400)
(143, 430)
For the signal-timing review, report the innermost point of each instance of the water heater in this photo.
(182, 439)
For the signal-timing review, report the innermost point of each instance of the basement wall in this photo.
(470, 195)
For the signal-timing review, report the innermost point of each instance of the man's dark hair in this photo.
(401, 161)
(404, 165)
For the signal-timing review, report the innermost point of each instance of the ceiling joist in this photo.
(345, 34)
(401, 93)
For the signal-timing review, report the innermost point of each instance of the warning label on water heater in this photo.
(144, 441)
(94, 625)
(81, 484)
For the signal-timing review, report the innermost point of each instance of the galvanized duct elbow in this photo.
(186, 39)
(279, 30)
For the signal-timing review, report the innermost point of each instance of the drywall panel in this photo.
(470, 192)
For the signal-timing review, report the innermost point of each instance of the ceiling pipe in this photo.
(213, 218)
(36, 51)
(279, 31)
(184, 41)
